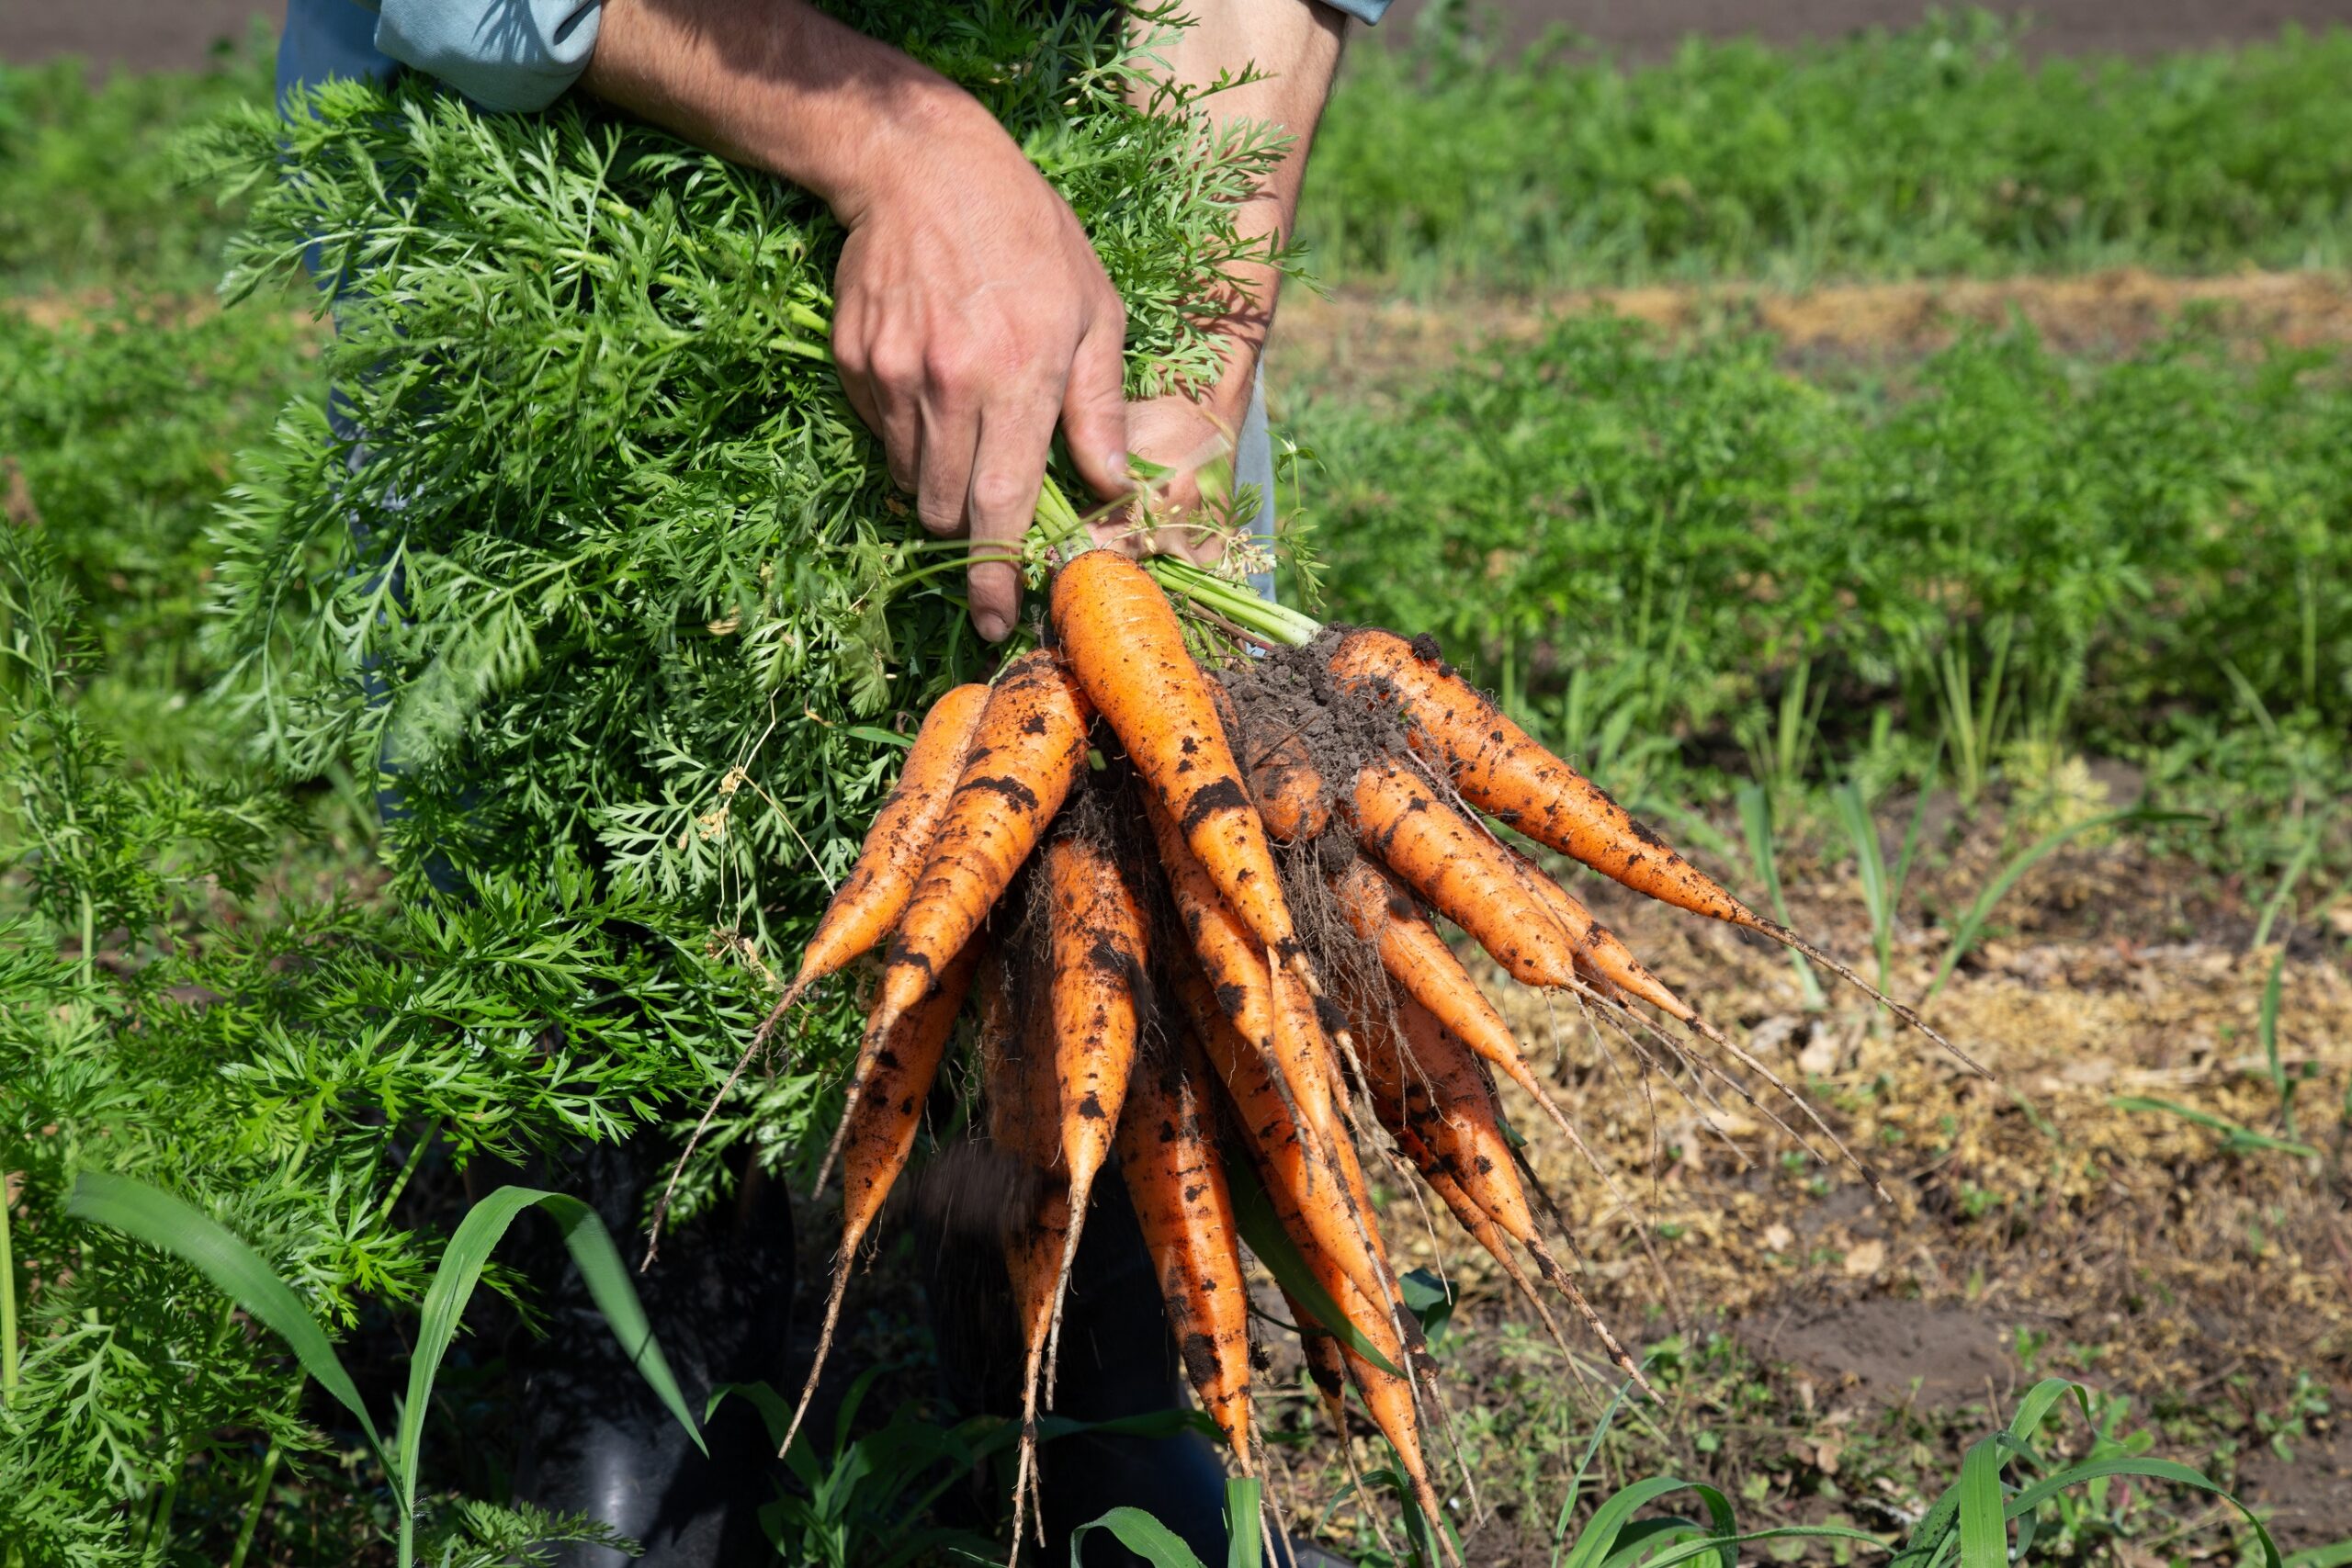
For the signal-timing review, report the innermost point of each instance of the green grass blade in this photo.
(1983, 1527)
(1724, 1547)
(1140, 1533)
(1584, 1464)
(2266, 1029)
(2235, 1137)
(1245, 1546)
(1971, 924)
(1870, 861)
(1263, 1229)
(1755, 821)
(1599, 1543)
(2165, 1470)
(149, 1214)
(2335, 1554)
(600, 1270)
(2037, 1404)
(2287, 880)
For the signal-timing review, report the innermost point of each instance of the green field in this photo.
(2056, 626)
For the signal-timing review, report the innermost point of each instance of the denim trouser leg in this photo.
(1253, 464)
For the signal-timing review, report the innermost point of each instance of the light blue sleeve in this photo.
(504, 55)
(1368, 12)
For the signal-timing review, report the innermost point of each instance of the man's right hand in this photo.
(970, 312)
(970, 316)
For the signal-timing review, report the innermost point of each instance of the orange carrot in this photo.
(870, 900)
(1502, 772)
(875, 894)
(1244, 983)
(1292, 799)
(895, 1077)
(1459, 868)
(1388, 1396)
(1123, 642)
(1176, 1180)
(1426, 1078)
(1033, 1243)
(1028, 751)
(1472, 1218)
(1018, 1065)
(1327, 1369)
(1413, 952)
(1321, 1203)
(1098, 956)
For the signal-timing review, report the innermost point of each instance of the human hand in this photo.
(970, 316)
(1185, 436)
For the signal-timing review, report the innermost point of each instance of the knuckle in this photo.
(998, 494)
(949, 365)
(895, 366)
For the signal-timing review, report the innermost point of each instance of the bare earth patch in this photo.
(2036, 1227)
(1364, 339)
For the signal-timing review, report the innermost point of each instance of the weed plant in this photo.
(118, 428)
(1936, 150)
(2136, 558)
(280, 1065)
(94, 193)
(1446, 160)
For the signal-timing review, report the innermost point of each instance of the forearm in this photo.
(1294, 47)
(784, 87)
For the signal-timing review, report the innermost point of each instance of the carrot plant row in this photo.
(1192, 915)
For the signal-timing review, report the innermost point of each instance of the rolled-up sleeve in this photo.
(504, 55)
(1368, 12)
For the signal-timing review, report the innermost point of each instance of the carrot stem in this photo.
(1059, 522)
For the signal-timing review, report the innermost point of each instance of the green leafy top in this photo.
(616, 568)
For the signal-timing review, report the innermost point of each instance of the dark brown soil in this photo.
(177, 34)
(142, 35)
(2311, 1493)
(1890, 1351)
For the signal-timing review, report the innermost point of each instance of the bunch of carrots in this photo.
(1192, 917)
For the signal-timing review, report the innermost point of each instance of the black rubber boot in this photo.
(594, 1438)
(1117, 1359)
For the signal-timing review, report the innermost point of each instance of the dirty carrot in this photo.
(1502, 772)
(1026, 753)
(1388, 1396)
(895, 1077)
(1459, 868)
(1435, 1081)
(1175, 1178)
(875, 894)
(1320, 1199)
(1239, 975)
(1292, 800)
(1098, 992)
(1122, 640)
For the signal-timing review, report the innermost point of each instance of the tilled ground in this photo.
(1828, 1355)
(1368, 343)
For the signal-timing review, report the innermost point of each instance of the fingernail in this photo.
(1119, 463)
(992, 625)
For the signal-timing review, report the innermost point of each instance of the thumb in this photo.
(1094, 408)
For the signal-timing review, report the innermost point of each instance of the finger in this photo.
(894, 384)
(950, 430)
(1094, 405)
(1008, 469)
(850, 364)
